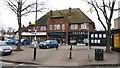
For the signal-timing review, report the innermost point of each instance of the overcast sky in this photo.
(8, 18)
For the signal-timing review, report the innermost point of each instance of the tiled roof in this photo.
(74, 15)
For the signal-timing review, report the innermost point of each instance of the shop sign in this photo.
(116, 40)
(56, 34)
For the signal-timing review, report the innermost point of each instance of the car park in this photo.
(48, 44)
(5, 49)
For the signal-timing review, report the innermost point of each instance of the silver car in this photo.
(5, 49)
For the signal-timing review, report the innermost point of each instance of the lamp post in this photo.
(35, 33)
(88, 42)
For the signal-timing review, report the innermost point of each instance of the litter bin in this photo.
(99, 54)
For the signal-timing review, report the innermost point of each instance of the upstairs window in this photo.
(63, 26)
(74, 26)
(43, 28)
(57, 27)
(51, 27)
(84, 26)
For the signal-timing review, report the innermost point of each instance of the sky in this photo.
(9, 19)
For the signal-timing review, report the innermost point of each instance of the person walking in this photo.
(57, 47)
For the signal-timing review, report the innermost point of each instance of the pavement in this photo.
(60, 57)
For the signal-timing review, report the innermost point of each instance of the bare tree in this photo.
(22, 9)
(2, 31)
(107, 8)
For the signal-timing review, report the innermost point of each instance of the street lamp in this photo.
(88, 42)
(35, 33)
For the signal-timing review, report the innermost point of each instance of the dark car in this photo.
(48, 44)
(11, 41)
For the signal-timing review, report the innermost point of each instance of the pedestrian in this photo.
(57, 47)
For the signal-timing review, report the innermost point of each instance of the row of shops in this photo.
(69, 37)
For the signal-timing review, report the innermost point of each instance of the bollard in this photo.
(70, 52)
(70, 55)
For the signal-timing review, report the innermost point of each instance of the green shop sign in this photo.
(56, 33)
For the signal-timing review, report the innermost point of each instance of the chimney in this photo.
(29, 23)
(51, 13)
(70, 11)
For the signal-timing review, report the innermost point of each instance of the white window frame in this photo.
(100, 35)
(92, 35)
(92, 41)
(84, 26)
(74, 26)
(43, 28)
(51, 27)
(63, 26)
(104, 35)
(57, 27)
(96, 35)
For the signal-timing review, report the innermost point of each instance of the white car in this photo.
(5, 49)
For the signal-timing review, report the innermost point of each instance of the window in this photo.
(57, 27)
(43, 28)
(74, 26)
(33, 28)
(95, 41)
(51, 27)
(96, 35)
(92, 41)
(92, 35)
(63, 26)
(100, 35)
(98, 41)
(84, 26)
(104, 35)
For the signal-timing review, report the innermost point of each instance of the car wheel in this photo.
(47, 47)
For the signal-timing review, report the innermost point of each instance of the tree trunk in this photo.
(19, 24)
(108, 39)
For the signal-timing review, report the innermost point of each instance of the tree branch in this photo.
(98, 15)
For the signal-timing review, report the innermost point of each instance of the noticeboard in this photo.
(116, 40)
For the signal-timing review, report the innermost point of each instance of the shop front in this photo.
(59, 36)
(31, 36)
(77, 38)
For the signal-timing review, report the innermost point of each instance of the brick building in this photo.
(69, 25)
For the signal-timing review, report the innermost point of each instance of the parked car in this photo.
(25, 41)
(5, 49)
(11, 41)
(2, 43)
(48, 44)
